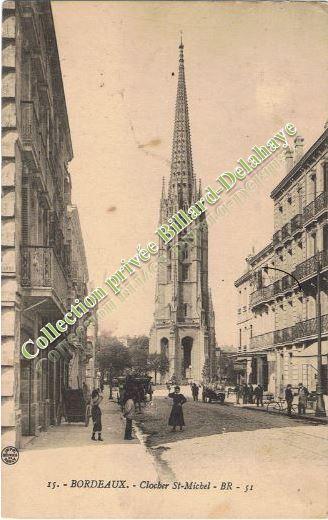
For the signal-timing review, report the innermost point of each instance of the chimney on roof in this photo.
(289, 159)
(298, 141)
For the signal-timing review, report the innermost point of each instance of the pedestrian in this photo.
(128, 413)
(302, 398)
(289, 396)
(238, 393)
(96, 415)
(193, 390)
(245, 393)
(196, 390)
(101, 384)
(258, 393)
(250, 393)
(150, 391)
(176, 415)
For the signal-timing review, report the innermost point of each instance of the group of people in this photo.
(302, 398)
(249, 394)
(130, 399)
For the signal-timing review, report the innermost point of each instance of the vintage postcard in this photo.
(164, 259)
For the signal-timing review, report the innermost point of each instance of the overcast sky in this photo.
(250, 68)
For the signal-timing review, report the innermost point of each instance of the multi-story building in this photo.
(277, 323)
(38, 231)
(183, 326)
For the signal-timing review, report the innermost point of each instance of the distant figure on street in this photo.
(238, 393)
(101, 385)
(150, 391)
(250, 393)
(168, 385)
(128, 413)
(96, 415)
(258, 393)
(289, 396)
(245, 393)
(302, 398)
(194, 391)
(176, 415)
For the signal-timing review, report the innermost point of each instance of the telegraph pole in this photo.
(320, 407)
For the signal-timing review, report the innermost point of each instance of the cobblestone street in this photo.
(224, 443)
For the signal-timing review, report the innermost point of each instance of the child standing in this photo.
(96, 415)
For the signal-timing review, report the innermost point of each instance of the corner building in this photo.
(183, 327)
(40, 227)
(277, 324)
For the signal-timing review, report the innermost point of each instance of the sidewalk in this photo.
(66, 453)
(310, 414)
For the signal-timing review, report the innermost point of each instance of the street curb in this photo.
(319, 420)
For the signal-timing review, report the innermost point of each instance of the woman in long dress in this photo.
(176, 415)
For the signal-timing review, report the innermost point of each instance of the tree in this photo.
(158, 363)
(138, 348)
(113, 355)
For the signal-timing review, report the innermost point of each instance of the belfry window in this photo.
(185, 272)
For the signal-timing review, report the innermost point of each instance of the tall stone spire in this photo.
(182, 176)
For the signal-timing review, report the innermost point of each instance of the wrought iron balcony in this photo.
(315, 207)
(286, 231)
(276, 239)
(296, 223)
(308, 268)
(283, 335)
(309, 328)
(43, 275)
(262, 341)
(301, 331)
(287, 282)
(262, 295)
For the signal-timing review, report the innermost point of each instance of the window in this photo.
(251, 331)
(185, 309)
(185, 253)
(185, 272)
(240, 337)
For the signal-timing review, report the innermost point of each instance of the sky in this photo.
(250, 68)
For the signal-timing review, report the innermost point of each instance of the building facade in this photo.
(183, 326)
(277, 326)
(39, 233)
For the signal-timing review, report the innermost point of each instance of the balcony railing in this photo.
(286, 231)
(287, 282)
(283, 335)
(309, 267)
(262, 341)
(315, 207)
(300, 331)
(41, 269)
(261, 295)
(296, 223)
(276, 237)
(304, 329)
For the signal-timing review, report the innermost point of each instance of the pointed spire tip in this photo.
(181, 42)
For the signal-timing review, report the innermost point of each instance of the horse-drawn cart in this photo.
(74, 407)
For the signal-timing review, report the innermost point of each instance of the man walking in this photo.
(129, 411)
(196, 390)
(289, 396)
(258, 392)
(302, 398)
(250, 393)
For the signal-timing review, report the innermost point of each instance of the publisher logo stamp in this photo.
(10, 455)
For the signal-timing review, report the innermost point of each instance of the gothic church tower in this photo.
(183, 325)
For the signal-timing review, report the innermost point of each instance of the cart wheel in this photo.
(59, 414)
